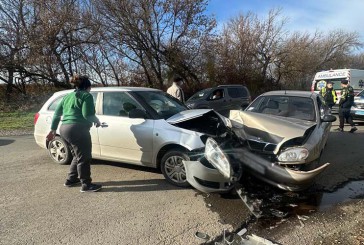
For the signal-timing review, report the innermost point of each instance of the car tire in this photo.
(173, 169)
(59, 151)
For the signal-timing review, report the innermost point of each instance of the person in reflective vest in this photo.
(329, 94)
(345, 103)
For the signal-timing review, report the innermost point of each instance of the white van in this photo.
(354, 76)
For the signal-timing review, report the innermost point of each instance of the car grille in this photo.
(260, 146)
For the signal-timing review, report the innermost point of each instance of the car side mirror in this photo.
(328, 118)
(137, 113)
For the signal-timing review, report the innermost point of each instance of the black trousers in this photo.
(345, 114)
(79, 140)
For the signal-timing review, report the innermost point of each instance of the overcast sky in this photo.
(303, 15)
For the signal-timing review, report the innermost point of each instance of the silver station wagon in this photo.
(140, 126)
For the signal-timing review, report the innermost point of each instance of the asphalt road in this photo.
(136, 205)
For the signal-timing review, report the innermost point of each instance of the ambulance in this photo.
(354, 76)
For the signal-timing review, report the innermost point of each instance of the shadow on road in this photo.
(6, 142)
(125, 165)
(138, 186)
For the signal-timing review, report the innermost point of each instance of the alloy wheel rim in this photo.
(57, 150)
(175, 169)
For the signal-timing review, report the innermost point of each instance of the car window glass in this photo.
(256, 104)
(94, 95)
(199, 94)
(361, 94)
(217, 94)
(161, 103)
(54, 104)
(322, 83)
(118, 104)
(237, 92)
(285, 106)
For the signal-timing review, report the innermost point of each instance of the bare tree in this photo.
(156, 35)
(62, 27)
(304, 54)
(14, 51)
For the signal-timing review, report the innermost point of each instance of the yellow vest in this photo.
(323, 93)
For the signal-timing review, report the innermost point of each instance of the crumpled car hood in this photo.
(187, 115)
(268, 128)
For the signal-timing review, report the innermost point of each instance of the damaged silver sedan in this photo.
(279, 138)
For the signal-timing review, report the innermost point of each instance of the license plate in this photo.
(359, 113)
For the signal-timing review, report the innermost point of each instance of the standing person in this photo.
(329, 94)
(175, 90)
(345, 103)
(78, 112)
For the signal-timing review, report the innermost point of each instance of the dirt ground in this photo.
(137, 206)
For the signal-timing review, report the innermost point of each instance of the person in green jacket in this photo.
(78, 111)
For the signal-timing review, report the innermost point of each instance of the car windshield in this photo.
(162, 103)
(200, 94)
(361, 94)
(322, 83)
(285, 106)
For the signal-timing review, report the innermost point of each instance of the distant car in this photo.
(140, 126)
(281, 136)
(222, 98)
(357, 110)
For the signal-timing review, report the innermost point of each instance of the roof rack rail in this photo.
(230, 85)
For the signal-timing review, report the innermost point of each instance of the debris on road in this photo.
(252, 205)
(202, 235)
(236, 239)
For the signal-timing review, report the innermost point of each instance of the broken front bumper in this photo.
(281, 177)
(207, 179)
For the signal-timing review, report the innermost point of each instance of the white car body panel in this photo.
(126, 139)
(130, 140)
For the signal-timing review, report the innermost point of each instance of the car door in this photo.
(219, 104)
(121, 138)
(236, 95)
(93, 131)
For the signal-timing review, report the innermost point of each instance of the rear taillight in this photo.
(36, 116)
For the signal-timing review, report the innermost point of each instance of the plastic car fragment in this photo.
(235, 239)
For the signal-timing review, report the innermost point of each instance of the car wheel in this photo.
(173, 168)
(59, 151)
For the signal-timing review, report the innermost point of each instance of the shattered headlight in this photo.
(293, 155)
(217, 157)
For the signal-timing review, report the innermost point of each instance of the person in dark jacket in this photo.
(329, 94)
(345, 103)
(78, 111)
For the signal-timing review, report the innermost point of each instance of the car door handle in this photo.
(104, 125)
